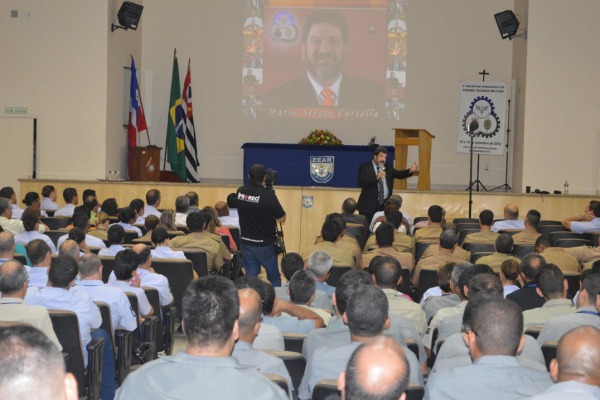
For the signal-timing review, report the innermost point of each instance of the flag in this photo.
(175, 127)
(191, 152)
(137, 121)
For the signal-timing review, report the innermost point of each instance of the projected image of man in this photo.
(324, 51)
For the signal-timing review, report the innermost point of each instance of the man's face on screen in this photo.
(324, 52)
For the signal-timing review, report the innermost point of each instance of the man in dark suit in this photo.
(325, 41)
(376, 180)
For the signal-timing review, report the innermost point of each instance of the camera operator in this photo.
(259, 210)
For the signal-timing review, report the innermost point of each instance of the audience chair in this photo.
(572, 242)
(415, 392)
(174, 234)
(479, 247)
(522, 250)
(427, 279)
(129, 236)
(511, 232)
(141, 227)
(66, 327)
(21, 258)
(225, 240)
(412, 346)
(143, 337)
(547, 222)
(359, 233)
(235, 234)
(178, 273)
(335, 273)
(549, 352)
(325, 388)
(467, 225)
(548, 229)
(457, 221)
(294, 363)
(419, 219)
(56, 223)
(121, 342)
(404, 287)
(159, 333)
(573, 282)
(108, 263)
(279, 381)
(293, 341)
(54, 235)
(198, 258)
(534, 331)
(420, 248)
(557, 235)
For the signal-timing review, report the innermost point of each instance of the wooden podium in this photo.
(413, 137)
(144, 164)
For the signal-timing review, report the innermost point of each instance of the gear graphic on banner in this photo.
(482, 109)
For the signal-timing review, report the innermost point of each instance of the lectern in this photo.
(414, 137)
(144, 163)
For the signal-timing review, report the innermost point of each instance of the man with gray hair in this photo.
(70, 248)
(10, 225)
(448, 242)
(193, 206)
(32, 367)
(319, 263)
(90, 275)
(434, 304)
(182, 205)
(13, 287)
(7, 246)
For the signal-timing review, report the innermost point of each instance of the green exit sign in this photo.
(15, 110)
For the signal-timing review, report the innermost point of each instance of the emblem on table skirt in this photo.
(307, 201)
(321, 168)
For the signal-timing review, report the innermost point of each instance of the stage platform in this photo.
(306, 207)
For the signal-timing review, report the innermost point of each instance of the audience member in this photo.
(81, 220)
(8, 193)
(194, 200)
(206, 362)
(102, 222)
(302, 290)
(433, 230)
(589, 221)
(553, 286)
(443, 287)
(128, 280)
(350, 216)
(40, 255)
(150, 223)
(152, 203)
(31, 223)
(182, 205)
(71, 200)
(127, 218)
(556, 255)
(396, 201)
(49, 197)
(332, 234)
(448, 242)
(527, 297)
(161, 242)
(494, 337)
(385, 239)
(224, 214)
(320, 264)
(138, 207)
(509, 274)
(149, 278)
(110, 207)
(32, 199)
(32, 367)
(70, 248)
(511, 219)
(167, 221)
(218, 228)
(485, 234)
(13, 226)
(502, 249)
(115, 234)
(530, 234)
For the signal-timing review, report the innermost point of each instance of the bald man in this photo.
(70, 248)
(378, 369)
(576, 368)
(249, 324)
(511, 219)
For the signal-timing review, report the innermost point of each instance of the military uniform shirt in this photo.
(556, 327)
(122, 316)
(550, 309)
(495, 260)
(143, 303)
(13, 309)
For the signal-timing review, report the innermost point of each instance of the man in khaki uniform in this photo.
(432, 232)
(402, 242)
(585, 255)
(485, 235)
(503, 247)
(553, 286)
(332, 233)
(387, 275)
(555, 255)
(200, 238)
(447, 244)
(530, 234)
(347, 242)
(384, 239)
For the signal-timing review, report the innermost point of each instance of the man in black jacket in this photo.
(376, 180)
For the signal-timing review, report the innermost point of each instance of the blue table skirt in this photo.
(306, 165)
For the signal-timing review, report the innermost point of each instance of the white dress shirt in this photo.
(143, 303)
(48, 204)
(153, 280)
(122, 316)
(111, 251)
(151, 210)
(166, 252)
(28, 236)
(91, 241)
(66, 211)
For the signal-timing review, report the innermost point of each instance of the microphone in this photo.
(473, 126)
(372, 141)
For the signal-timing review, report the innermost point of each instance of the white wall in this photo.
(448, 41)
(53, 61)
(562, 122)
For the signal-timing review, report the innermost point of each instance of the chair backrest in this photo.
(141, 227)
(54, 235)
(511, 232)
(174, 234)
(106, 320)
(534, 331)
(154, 300)
(415, 392)
(462, 235)
(419, 219)
(467, 225)
(108, 265)
(279, 381)
(335, 273)
(479, 247)
(420, 248)
(325, 388)
(522, 250)
(478, 255)
(547, 222)
(547, 229)
(21, 258)
(199, 260)
(404, 287)
(428, 278)
(572, 242)
(66, 327)
(549, 352)
(358, 232)
(574, 283)
(129, 236)
(56, 223)
(457, 221)
(225, 240)
(557, 235)
(178, 273)
(294, 363)
(235, 234)
(293, 341)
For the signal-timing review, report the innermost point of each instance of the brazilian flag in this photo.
(175, 127)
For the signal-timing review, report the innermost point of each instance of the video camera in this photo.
(270, 179)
